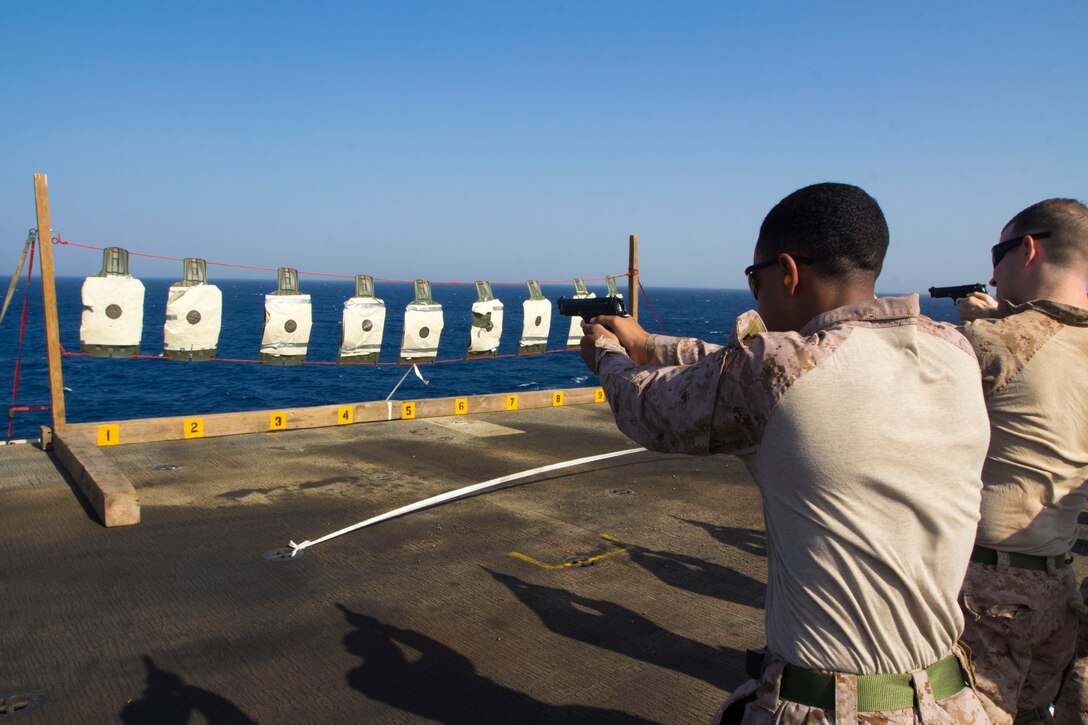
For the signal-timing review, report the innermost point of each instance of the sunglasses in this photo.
(999, 250)
(750, 271)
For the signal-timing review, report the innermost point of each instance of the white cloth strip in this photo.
(451, 495)
(415, 369)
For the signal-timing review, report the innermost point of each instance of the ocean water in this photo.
(109, 389)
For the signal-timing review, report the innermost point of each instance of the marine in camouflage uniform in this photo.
(1072, 704)
(870, 508)
(1020, 597)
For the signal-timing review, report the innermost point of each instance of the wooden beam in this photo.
(49, 300)
(632, 280)
(148, 430)
(110, 493)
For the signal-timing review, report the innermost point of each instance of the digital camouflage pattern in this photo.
(1072, 705)
(1021, 629)
(696, 397)
(1006, 343)
(1022, 625)
(1032, 358)
(700, 398)
(757, 702)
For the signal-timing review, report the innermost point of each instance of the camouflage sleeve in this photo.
(1005, 345)
(719, 404)
(665, 350)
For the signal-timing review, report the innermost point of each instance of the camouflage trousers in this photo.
(757, 702)
(1021, 628)
(1072, 705)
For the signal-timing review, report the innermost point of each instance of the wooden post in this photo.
(632, 280)
(49, 299)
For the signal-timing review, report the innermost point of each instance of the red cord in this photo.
(65, 353)
(19, 353)
(320, 274)
(651, 304)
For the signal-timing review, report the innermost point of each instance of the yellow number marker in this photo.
(511, 402)
(193, 428)
(557, 398)
(460, 406)
(345, 414)
(408, 411)
(278, 420)
(109, 435)
(598, 397)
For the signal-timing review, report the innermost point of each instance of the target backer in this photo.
(113, 309)
(574, 335)
(288, 317)
(422, 326)
(485, 329)
(536, 322)
(194, 315)
(364, 324)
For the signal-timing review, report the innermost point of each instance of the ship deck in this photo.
(637, 585)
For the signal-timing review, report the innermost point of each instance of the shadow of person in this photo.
(701, 576)
(167, 700)
(751, 541)
(613, 627)
(414, 673)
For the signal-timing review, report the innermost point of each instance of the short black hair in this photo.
(1065, 219)
(838, 225)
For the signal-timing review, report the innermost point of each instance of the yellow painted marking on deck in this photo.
(345, 414)
(557, 398)
(408, 410)
(511, 402)
(277, 420)
(598, 396)
(623, 547)
(109, 435)
(193, 428)
(460, 406)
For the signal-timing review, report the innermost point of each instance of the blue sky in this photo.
(516, 140)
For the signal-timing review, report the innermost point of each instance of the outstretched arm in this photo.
(647, 349)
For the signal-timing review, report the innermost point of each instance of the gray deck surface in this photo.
(424, 618)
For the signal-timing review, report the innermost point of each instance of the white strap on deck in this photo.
(451, 495)
(389, 402)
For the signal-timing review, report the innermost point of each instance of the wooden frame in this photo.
(49, 300)
(150, 430)
(111, 494)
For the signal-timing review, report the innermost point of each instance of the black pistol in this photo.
(958, 291)
(589, 307)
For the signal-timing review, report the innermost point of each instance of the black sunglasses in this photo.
(999, 250)
(750, 271)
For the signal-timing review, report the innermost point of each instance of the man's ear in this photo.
(790, 277)
(1030, 252)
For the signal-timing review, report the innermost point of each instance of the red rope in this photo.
(65, 353)
(66, 243)
(651, 304)
(19, 353)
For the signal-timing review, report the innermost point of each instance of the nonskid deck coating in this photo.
(424, 618)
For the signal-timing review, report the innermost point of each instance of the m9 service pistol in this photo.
(589, 307)
(957, 292)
